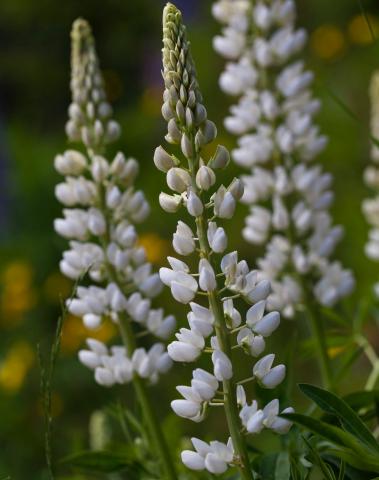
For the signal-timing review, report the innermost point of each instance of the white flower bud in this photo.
(70, 163)
(99, 168)
(241, 395)
(186, 408)
(104, 377)
(194, 204)
(178, 179)
(225, 204)
(220, 159)
(222, 366)
(193, 460)
(170, 203)
(236, 188)
(90, 359)
(214, 464)
(183, 241)
(183, 352)
(96, 222)
(268, 324)
(205, 178)
(162, 160)
(207, 278)
(217, 238)
(91, 321)
(186, 146)
(113, 131)
(113, 197)
(269, 377)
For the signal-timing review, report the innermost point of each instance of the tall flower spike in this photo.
(370, 206)
(101, 208)
(289, 199)
(216, 327)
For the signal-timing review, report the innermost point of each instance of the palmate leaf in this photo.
(350, 447)
(350, 421)
(105, 462)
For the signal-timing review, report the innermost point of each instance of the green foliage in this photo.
(350, 421)
(107, 462)
(353, 442)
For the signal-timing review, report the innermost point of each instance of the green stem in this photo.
(373, 358)
(322, 349)
(229, 387)
(155, 432)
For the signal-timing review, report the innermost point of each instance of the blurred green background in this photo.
(34, 95)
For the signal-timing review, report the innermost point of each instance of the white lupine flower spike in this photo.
(217, 326)
(277, 141)
(102, 207)
(370, 206)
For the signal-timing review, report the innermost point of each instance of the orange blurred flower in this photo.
(74, 333)
(328, 42)
(15, 365)
(157, 248)
(359, 29)
(18, 295)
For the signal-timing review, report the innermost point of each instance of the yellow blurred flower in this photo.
(15, 365)
(57, 288)
(151, 101)
(333, 352)
(18, 294)
(359, 30)
(328, 42)
(74, 333)
(157, 248)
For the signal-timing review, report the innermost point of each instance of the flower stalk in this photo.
(194, 183)
(104, 244)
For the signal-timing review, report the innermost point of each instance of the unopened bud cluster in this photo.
(215, 326)
(370, 206)
(101, 208)
(289, 198)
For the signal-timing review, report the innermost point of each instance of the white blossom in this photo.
(102, 208)
(273, 119)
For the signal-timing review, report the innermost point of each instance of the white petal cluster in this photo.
(289, 199)
(255, 420)
(370, 206)
(202, 390)
(113, 365)
(217, 277)
(101, 210)
(214, 457)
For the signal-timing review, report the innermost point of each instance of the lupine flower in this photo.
(216, 326)
(102, 208)
(370, 206)
(289, 198)
(100, 226)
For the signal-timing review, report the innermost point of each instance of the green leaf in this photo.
(364, 398)
(316, 459)
(104, 462)
(357, 461)
(341, 474)
(265, 465)
(337, 436)
(283, 467)
(330, 403)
